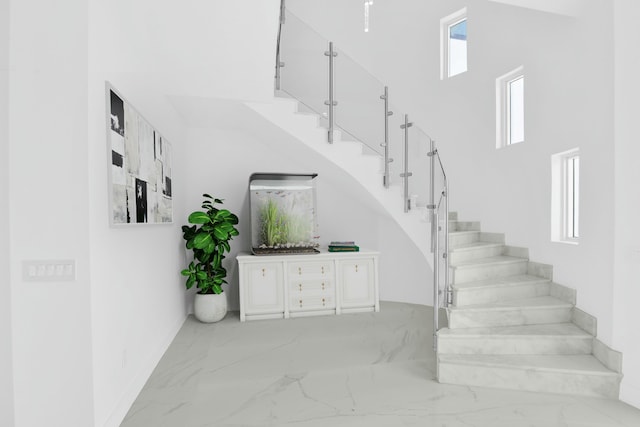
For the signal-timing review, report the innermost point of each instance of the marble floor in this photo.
(369, 369)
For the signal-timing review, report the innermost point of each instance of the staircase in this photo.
(511, 326)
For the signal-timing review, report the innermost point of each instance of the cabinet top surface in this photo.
(324, 254)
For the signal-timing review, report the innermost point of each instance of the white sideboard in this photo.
(283, 286)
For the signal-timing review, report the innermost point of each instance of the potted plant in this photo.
(209, 239)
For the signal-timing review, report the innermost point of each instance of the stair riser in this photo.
(456, 240)
(508, 317)
(514, 345)
(529, 380)
(486, 271)
(463, 226)
(489, 295)
(475, 253)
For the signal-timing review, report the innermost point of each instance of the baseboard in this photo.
(630, 394)
(610, 358)
(584, 321)
(563, 293)
(133, 389)
(540, 270)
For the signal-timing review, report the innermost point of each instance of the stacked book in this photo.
(343, 247)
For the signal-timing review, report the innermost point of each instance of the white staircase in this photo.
(511, 327)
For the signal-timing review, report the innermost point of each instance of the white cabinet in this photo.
(285, 286)
(357, 277)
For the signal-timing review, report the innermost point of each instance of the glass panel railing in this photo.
(304, 75)
(419, 160)
(360, 110)
(396, 145)
(313, 71)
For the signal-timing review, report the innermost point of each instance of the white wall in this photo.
(568, 102)
(6, 376)
(149, 50)
(203, 48)
(223, 160)
(49, 212)
(627, 197)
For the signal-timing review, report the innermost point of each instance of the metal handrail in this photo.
(435, 240)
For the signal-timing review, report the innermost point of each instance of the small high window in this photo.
(510, 108)
(453, 44)
(565, 206)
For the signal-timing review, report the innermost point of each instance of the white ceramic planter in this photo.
(210, 308)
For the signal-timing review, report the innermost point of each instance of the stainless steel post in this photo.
(432, 202)
(447, 284)
(385, 144)
(406, 174)
(279, 64)
(331, 102)
(436, 289)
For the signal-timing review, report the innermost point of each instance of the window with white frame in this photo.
(510, 108)
(453, 44)
(565, 205)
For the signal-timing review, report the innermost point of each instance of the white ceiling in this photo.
(560, 7)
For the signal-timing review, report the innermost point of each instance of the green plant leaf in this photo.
(220, 234)
(223, 213)
(190, 281)
(202, 240)
(199, 218)
(233, 219)
(185, 272)
(207, 196)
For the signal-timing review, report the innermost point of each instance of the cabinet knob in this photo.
(322, 301)
(323, 286)
(263, 272)
(356, 268)
(300, 286)
(322, 268)
(300, 303)
(299, 270)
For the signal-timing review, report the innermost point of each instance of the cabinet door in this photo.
(263, 290)
(356, 283)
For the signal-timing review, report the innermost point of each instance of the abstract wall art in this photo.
(140, 166)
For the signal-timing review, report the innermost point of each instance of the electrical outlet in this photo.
(49, 270)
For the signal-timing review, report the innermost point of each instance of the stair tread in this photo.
(460, 233)
(502, 281)
(557, 330)
(574, 364)
(475, 245)
(499, 259)
(536, 302)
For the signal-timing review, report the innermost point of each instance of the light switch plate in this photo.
(49, 270)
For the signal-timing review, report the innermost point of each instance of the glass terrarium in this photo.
(283, 213)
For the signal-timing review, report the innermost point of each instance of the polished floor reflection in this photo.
(369, 369)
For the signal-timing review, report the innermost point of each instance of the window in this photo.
(565, 206)
(453, 44)
(510, 108)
